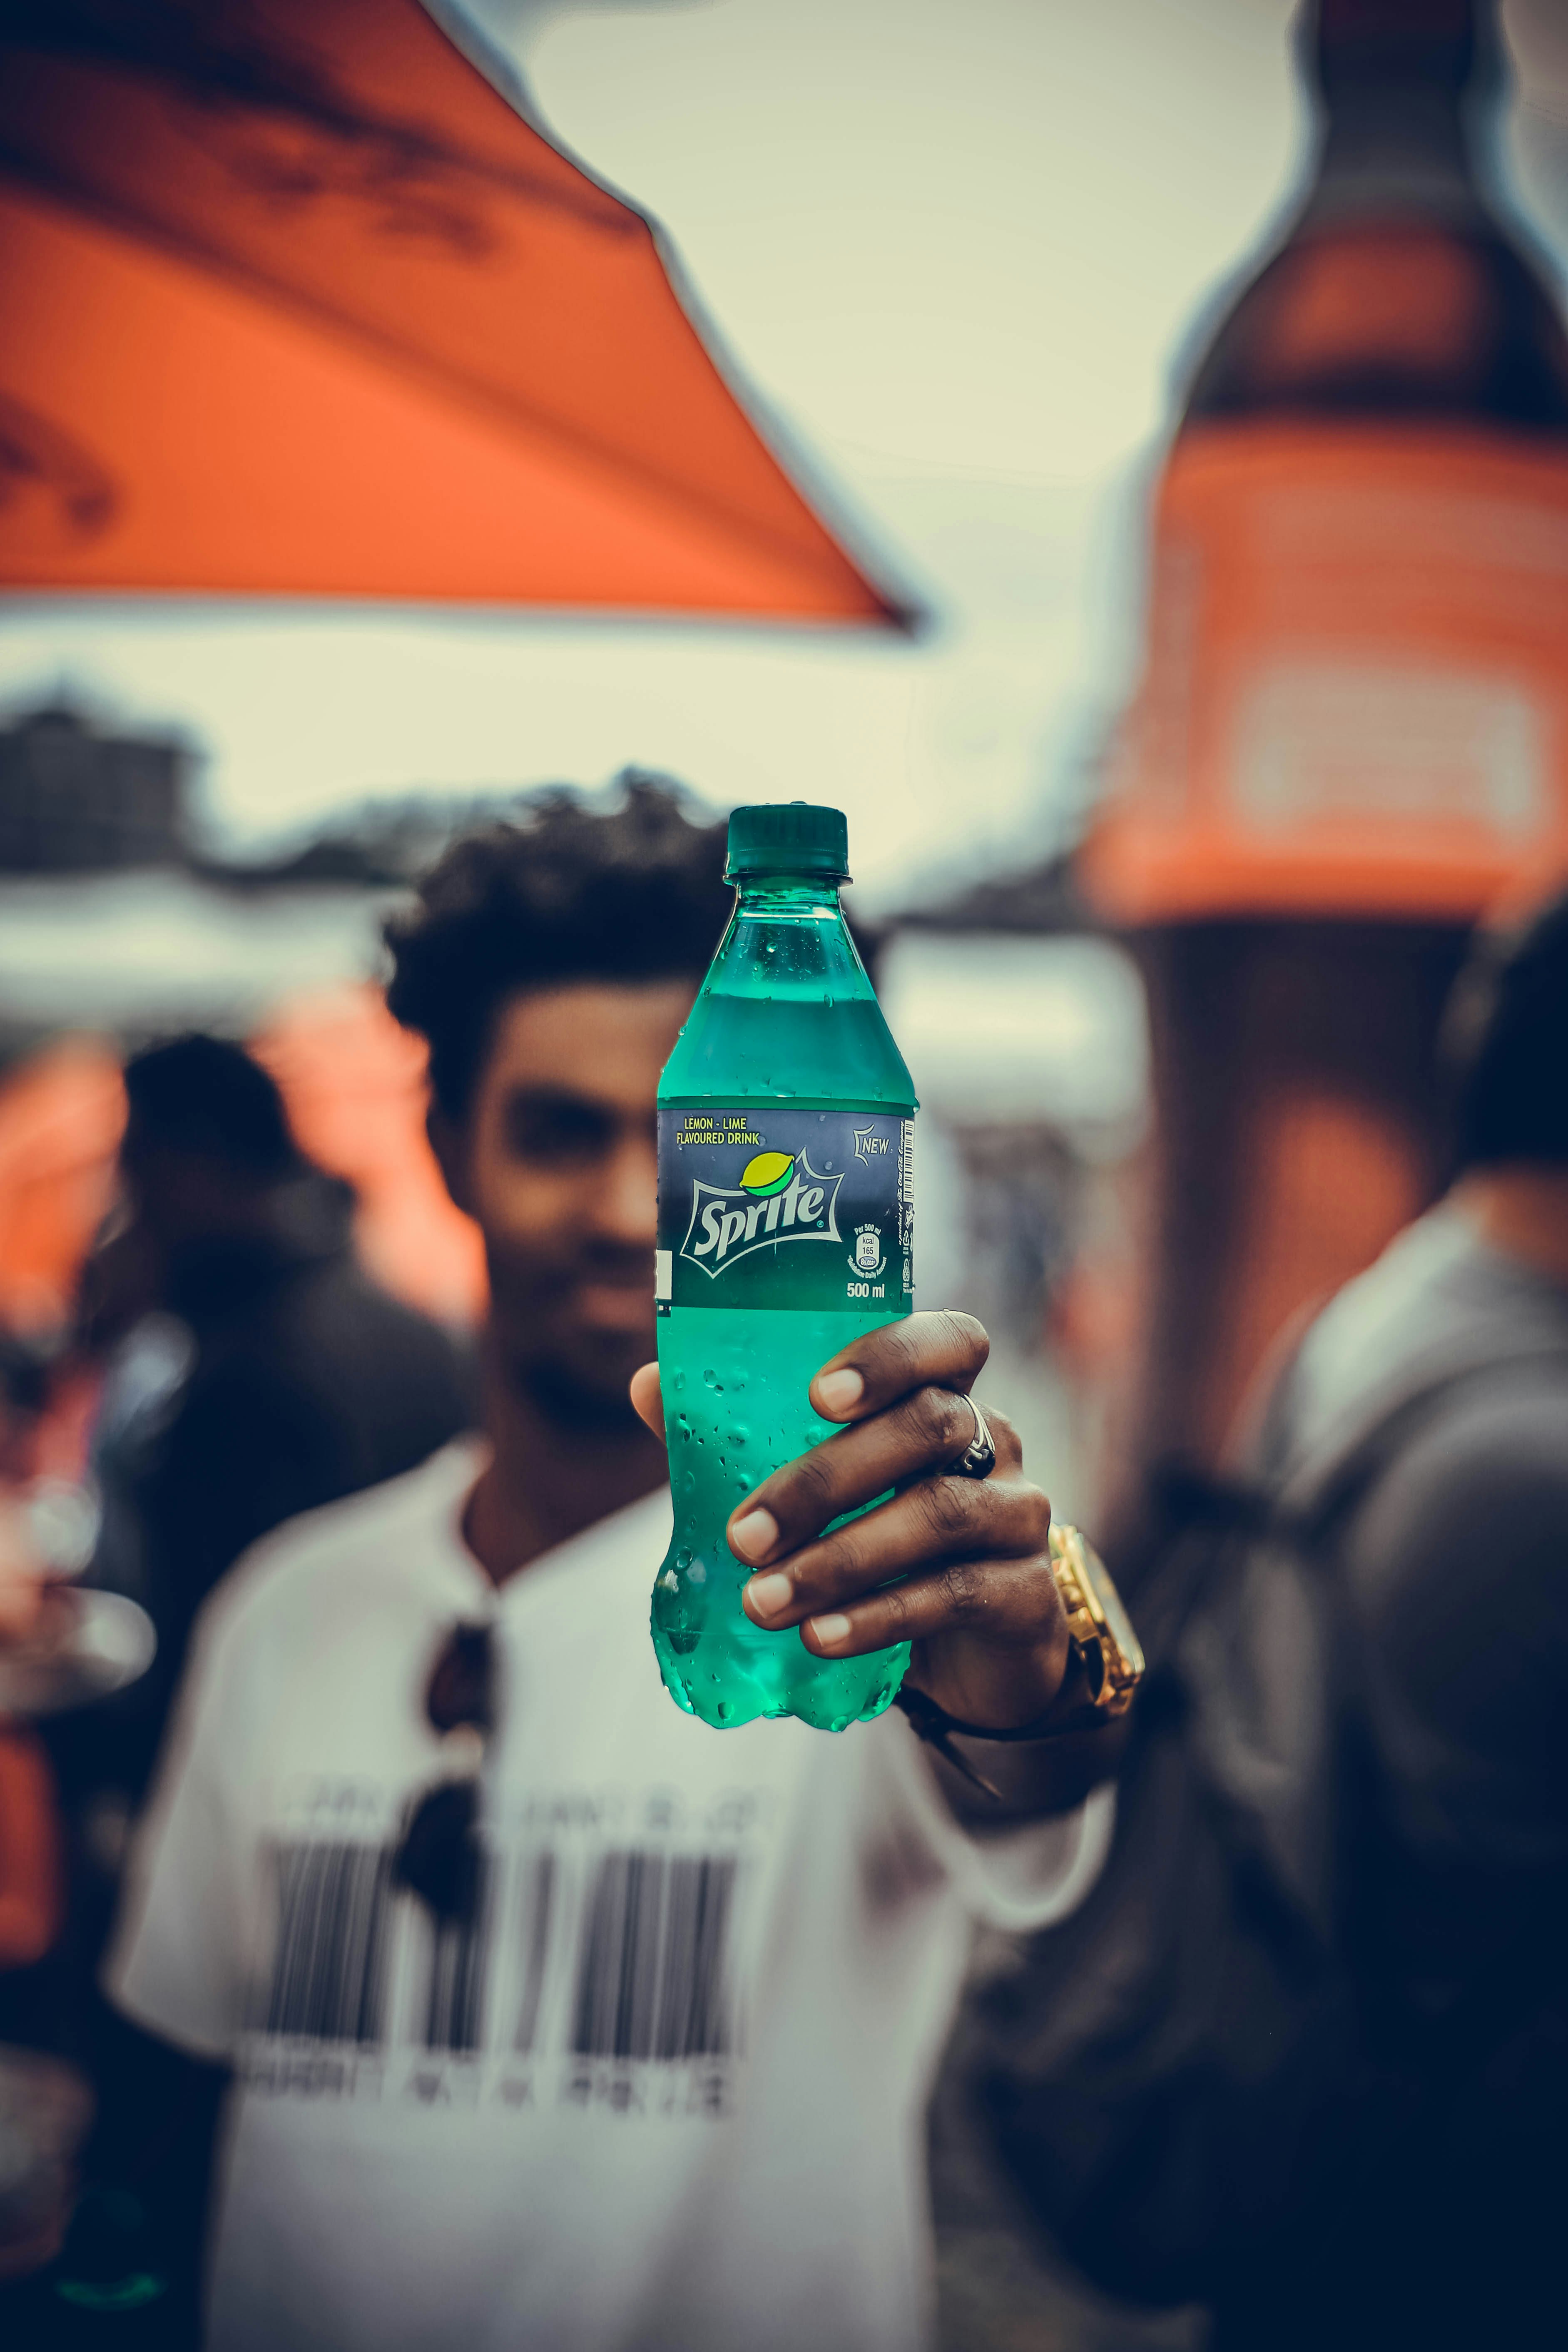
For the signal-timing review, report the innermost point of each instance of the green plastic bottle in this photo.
(785, 1226)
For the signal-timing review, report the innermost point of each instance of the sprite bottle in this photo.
(785, 1225)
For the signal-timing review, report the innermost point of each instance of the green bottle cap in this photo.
(788, 838)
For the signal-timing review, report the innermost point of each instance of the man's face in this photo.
(557, 1162)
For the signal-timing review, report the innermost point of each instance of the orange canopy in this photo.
(293, 302)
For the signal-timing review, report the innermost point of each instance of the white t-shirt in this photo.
(668, 2094)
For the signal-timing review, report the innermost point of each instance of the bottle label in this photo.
(772, 1207)
(1355, 700)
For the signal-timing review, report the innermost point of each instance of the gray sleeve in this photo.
(1458, 1571)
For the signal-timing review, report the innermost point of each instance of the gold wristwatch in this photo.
(1097, 1626)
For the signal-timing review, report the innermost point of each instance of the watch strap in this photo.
(934, 1724)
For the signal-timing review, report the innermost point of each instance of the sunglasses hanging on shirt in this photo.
(439, 1855)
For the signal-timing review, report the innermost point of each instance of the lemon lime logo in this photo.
(780, 1198)
(768, 1173)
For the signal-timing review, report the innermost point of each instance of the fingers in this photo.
(919, 1433)
(1002, 1604)
(647, 1400)
(937, 1522)
(944, 1350)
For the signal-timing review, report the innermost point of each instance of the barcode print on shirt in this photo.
(537, 1895)
(637, 1941)
(328, 1981)
(651, 1979)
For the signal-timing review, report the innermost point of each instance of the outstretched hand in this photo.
(958, 1567)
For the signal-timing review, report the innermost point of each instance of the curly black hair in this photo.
(630, 891)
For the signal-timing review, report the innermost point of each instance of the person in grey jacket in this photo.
(1454, 1573)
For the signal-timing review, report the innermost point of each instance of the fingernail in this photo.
(770, 1595)
(830, 1631)
(838, 1392)
(754, 1535)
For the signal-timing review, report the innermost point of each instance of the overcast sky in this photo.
(955, 247)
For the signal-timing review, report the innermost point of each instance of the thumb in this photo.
(646, 1401)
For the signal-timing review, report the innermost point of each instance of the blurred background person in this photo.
(259, 1371)
(1452, 1573)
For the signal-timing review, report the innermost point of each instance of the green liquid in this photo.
(735, 1409)
(786, 1017)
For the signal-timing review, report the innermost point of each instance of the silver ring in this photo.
(978, 1458)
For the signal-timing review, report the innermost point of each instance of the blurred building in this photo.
(118, 915)
(74, 800)
(1351, 732)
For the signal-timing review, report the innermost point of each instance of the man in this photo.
(272, 1375)
(1454, 1571)
(644, 2065)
